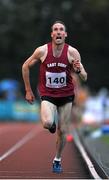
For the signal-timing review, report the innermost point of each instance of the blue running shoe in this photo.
(57, 168)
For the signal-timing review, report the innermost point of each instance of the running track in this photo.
(27, 152)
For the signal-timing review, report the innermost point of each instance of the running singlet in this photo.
(55, 79)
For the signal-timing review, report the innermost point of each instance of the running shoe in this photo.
(57, 168)
(52, 129)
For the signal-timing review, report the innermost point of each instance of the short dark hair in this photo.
(58, 21)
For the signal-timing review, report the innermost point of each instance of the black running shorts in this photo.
(58, 101)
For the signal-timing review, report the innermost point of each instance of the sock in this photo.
(57, 159)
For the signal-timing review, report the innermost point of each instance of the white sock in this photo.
(57, 159)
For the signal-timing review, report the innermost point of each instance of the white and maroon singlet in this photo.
(55, 75)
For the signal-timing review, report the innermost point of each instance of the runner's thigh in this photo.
(65, 115)
(48, 111)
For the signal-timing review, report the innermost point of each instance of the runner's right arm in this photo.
(34, 58)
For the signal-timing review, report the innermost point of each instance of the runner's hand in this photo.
(77, 66)
(30, 97)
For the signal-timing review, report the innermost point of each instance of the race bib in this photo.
(55, 80)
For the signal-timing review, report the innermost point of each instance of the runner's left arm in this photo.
(75, 59)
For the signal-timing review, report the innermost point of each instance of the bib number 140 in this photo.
(55, 80)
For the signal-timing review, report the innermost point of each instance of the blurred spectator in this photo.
(95, 109)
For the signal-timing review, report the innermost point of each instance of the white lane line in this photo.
(20, 143)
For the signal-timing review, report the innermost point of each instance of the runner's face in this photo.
(58, 33)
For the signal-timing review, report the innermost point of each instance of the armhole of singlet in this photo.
(45, 54)
(68, 56)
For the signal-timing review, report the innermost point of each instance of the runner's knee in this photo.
(47, 124)
(63, 130)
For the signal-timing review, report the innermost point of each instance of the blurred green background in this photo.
(25, 25)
